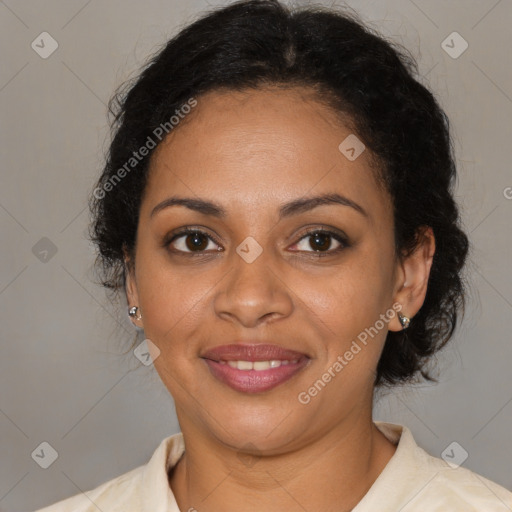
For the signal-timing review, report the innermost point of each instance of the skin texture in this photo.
(251, 152)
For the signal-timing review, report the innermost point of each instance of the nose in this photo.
(253, 292)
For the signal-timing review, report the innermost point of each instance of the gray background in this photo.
(63, 378)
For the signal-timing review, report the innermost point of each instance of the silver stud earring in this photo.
(404, 320)
(134, 312)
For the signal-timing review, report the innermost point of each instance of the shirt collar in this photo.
(158, 496)
(398, 476)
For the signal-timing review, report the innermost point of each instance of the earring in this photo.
(404, 320)
(133, 313)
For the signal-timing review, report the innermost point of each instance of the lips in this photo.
(242, 366)
(251, 352)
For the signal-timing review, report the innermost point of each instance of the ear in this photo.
(412, 277)
(132, 296)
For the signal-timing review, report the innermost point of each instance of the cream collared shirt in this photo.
(412, 481)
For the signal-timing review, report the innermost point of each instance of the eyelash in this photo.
(319, 254)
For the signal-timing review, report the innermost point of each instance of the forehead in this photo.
(261, 147)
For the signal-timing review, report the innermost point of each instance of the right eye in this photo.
(190, 240)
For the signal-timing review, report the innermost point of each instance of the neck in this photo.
(333, 472)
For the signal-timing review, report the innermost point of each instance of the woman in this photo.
(277, 207)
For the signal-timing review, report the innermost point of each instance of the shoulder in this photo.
(415, 481)
(112, 495)
(461, 489)
(144, 488)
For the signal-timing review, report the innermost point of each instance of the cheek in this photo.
(173, 310)
(172, 301)
(352, 294)
(347, 308)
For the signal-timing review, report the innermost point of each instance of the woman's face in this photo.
(254, 276)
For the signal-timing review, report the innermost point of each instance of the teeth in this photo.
(244, 365)
(257, 365)
(264, 365)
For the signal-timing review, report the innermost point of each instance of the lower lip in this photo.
(254, 381)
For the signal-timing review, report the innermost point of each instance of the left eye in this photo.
(321, 241)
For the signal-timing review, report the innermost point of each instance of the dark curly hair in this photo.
(363, 78)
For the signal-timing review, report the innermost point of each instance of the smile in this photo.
(255, 376)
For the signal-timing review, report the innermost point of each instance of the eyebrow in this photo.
(286, 210)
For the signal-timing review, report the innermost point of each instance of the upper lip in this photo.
(251, 352)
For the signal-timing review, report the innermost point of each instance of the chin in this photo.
(266, 429)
